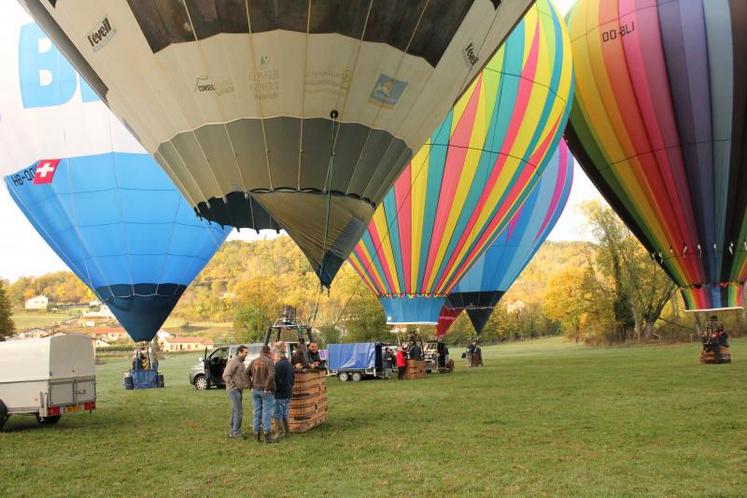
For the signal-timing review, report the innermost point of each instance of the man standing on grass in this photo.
(262, 382)
(236, 380)
(283, 390)
(401, 363)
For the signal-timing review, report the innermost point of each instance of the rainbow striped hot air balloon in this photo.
(478, 167)
(492, 275)
(659, 125)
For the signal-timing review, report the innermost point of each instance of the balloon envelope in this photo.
(659, 125)
(480, 164)
(490, 277)
(446, 319)
(100, 202)
(310, 109)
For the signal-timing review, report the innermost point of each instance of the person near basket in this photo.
(401, 363)
(262, 381)
(284, 377)
(236, 380)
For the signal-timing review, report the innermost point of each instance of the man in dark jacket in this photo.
(315, 359)
(415, 352)
(283, 391)
(234, 375)
(262, 382)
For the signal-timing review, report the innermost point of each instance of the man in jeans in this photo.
(262, 382)
(283, 390)
(236, 380)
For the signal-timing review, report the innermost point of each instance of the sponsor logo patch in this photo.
(470, 55)
(387, 90)
(203, 84)
(101, 34)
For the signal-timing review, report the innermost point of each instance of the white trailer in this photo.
(47, 377)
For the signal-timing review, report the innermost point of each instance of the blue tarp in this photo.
(356, 356)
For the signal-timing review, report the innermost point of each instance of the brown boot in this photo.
(279, 429)
(258, 436)
(269, 438)
(286, 429)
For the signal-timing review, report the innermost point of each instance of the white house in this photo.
(102, 344)
(109, 334)
(162, 336)
(103, 312)
(172, 344)
(30, 334)
(37, 303)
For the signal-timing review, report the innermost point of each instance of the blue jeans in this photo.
(281, 408)
(263, 405)
(237, 410)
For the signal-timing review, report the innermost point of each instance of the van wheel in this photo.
(343, 376)
(356, 376)
(51, 420)
(201, 383)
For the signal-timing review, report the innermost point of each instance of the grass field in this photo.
(29, 319)
(541, 418)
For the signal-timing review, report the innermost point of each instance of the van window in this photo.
(220, 353)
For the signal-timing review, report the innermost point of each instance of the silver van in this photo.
(208, 371)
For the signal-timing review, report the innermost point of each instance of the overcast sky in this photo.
(24, 252)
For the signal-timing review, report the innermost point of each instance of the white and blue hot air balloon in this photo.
(90, 190)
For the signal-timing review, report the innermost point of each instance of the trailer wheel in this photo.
(201, 383)
(51, 420)
(343, 376)
(3, 415)
(356, 376)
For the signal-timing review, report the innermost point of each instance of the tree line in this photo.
(608, 290)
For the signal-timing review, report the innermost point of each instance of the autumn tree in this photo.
(250, 323)
(567, 300)
(640, 287)
(365, 320)
(7, 327)
(611, 235)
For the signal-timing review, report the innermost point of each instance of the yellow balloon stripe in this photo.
(420, 170)
(382, 227)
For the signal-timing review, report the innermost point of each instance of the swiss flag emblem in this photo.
(45, 170)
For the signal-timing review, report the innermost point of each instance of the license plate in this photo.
(72, 409)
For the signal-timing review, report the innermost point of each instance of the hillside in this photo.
(551, 259)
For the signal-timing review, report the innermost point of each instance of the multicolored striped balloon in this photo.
(658, 124)
(491, 276)
(478, 167)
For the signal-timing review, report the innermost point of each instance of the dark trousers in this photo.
(400, 373)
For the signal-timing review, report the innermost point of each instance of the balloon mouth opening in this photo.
(706, 310)
(411, 323)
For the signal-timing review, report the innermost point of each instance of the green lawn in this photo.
(541, 418)
(30, 319)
